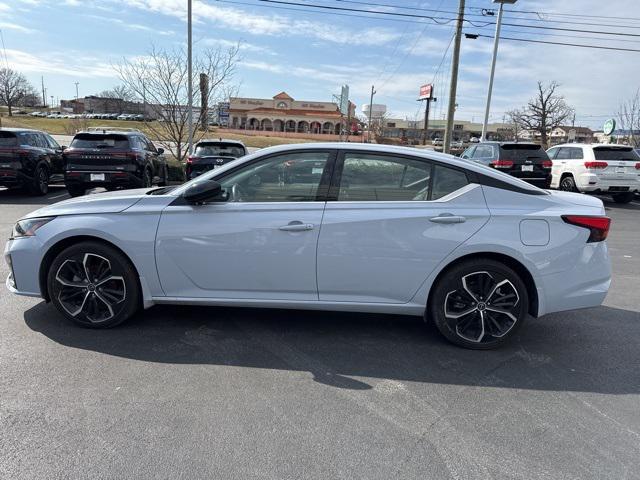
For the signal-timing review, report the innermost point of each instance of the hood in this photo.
(577, 198)
(109, 202)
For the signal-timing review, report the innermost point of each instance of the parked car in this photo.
(210, 154)
(30, 159)
(113, 158)
(527, 161)
(360, 227)
(593, 168)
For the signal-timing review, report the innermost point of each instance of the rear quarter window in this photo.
(8, 139)
(447, 180)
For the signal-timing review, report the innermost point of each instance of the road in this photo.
(187, 392)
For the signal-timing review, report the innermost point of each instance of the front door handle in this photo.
(296, 226)
(447, 218)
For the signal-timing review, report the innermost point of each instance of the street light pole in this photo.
(455, 60)
(189, 79)
(496, 40)
(76, 109)
(373, 92)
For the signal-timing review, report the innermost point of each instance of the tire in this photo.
(40, 183)
(568, 184)
(165, 177)
(482, 327)
(625, 197)
(147, 179)
(105, 297)
(76, 190)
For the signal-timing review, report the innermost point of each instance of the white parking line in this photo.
(58, 196)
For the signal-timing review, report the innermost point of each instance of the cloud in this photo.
(71, 63)
(269, 24)
(16, 27)
(244, 46)
(129, 25)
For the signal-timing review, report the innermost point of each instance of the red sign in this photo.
(426, 91)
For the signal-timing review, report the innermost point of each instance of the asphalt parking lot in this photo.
(188, 392)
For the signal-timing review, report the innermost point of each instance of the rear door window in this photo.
(483, 151)
(615, 153)
(8, 139)
(576, 153)
(105, 141)
(564, 153)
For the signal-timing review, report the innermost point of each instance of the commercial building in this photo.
(412, 131)
(284, 114)
(95, 104)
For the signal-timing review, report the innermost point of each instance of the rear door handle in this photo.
(447, 218)
(296, 226)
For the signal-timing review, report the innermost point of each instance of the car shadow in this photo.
(589, 351)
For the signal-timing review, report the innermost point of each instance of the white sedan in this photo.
(335, 226)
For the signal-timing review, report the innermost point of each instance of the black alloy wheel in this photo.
(93, 285)
(568, 184)
(479, 304)
(40, 183)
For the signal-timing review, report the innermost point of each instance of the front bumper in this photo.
(24, 257)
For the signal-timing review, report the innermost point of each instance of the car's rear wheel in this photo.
(76, 190)
(39, 185)
(479, 304)
(93, 285)
(625, 197)
(568, 184)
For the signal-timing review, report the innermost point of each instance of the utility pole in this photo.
(144, 101)
(76, 108)
(373, 92)
(189, 79)
(455, 60)
(52, 101)
(496, 40)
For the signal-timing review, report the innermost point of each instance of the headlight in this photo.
(28, 227)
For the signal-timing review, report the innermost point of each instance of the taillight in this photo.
(502, 163)
(547, 164)
(192, 159)
(598, 226)
(638, 166)
(596, 164)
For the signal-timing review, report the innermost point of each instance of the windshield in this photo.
(615, 153)
(100, 140)
(219, 150)
(8, 139)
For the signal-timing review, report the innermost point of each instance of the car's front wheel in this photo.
(479, 304)
(94, 285)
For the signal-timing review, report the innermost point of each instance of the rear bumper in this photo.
(539, 179)
(13, 178)
(583, 285)
(111, 178)
(589, 182)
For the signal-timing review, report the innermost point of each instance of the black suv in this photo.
(210, 154)
(527, 161)
(113, 158)
(30, 159)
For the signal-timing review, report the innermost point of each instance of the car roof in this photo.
(220, 140)
(494, 142)
(108, 131)
(12, 129)
(592, 145)
(400, 150)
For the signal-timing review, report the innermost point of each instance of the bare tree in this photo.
(545, 112)
(511, 120)
(629, 117)
(119, 92)
(14, 87)
(161, 79)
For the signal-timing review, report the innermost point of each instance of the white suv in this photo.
(612, 169)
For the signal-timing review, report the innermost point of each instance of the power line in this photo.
(572, 15)
(600, 47)
(445, 20)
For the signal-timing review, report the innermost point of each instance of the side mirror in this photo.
(63, 147)
(160, 151)
(203, 191)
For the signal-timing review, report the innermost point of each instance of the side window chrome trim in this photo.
(448, 197)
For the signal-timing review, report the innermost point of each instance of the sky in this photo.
(311, 53)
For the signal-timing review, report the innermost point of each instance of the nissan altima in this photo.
(335, 226)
